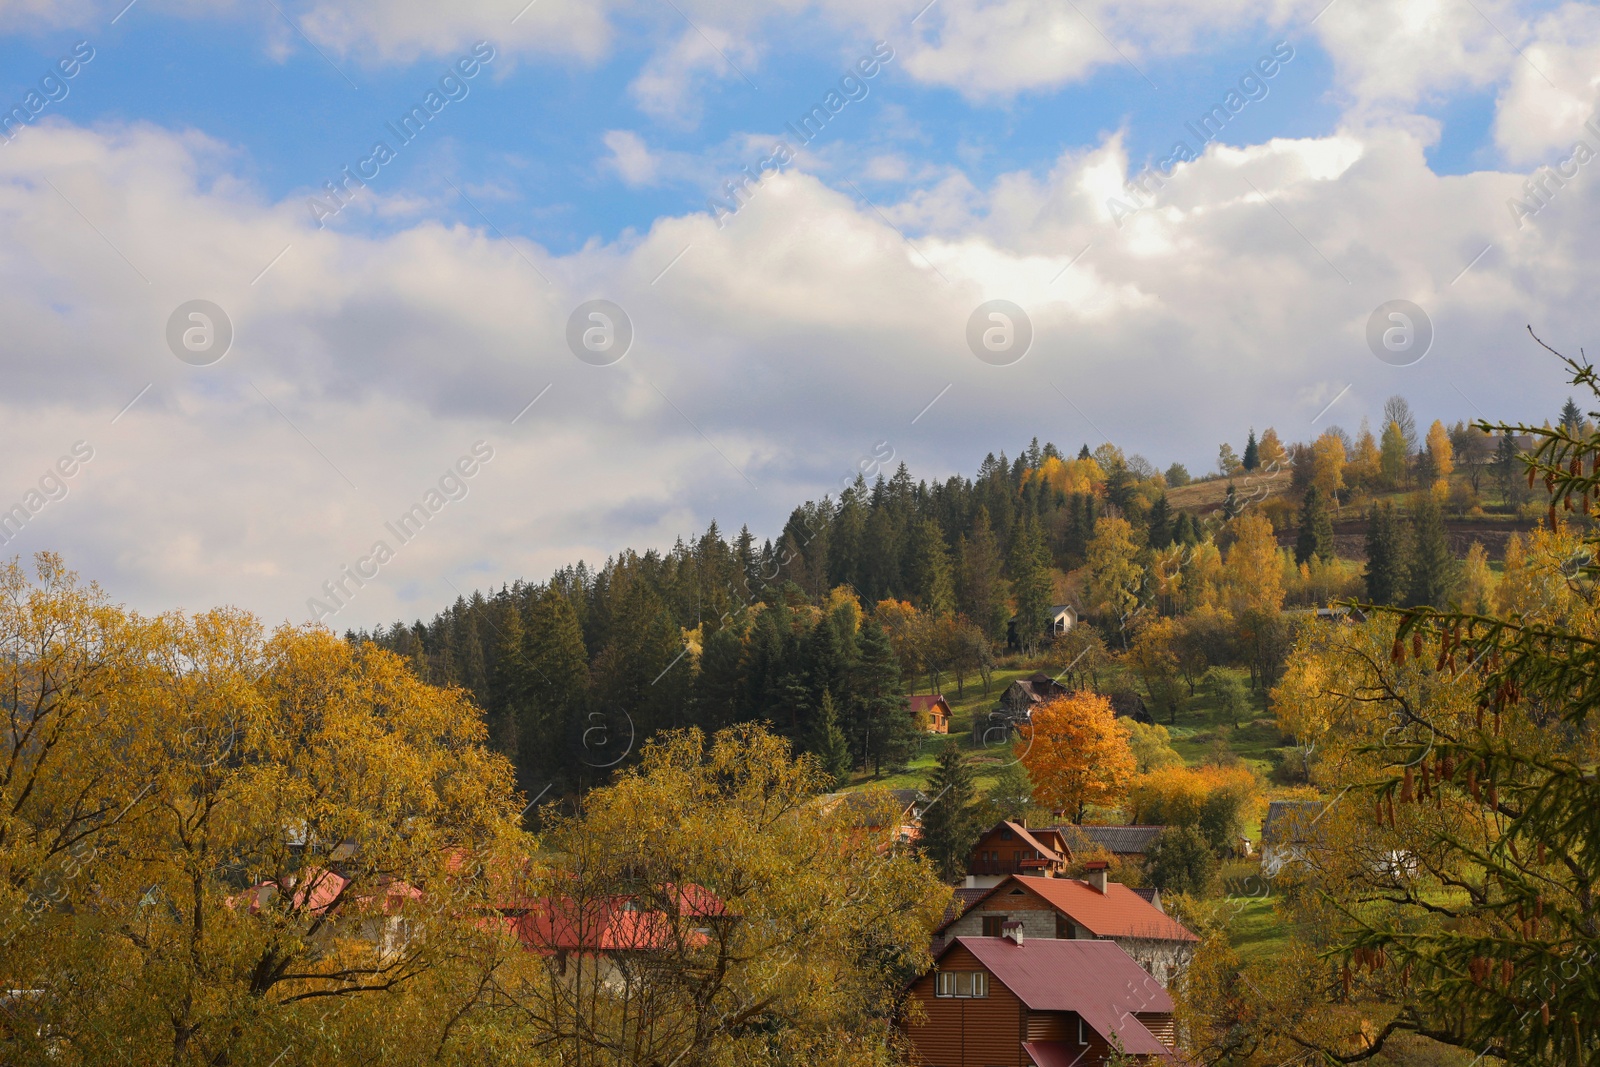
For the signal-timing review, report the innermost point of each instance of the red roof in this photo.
(1119, 912)
(923, 701)
(1095, 979)
(616, 924)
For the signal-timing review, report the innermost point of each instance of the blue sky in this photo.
(775, 347)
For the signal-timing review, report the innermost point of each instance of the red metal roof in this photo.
(1095, 979)
(1119, 912)
(924, 701)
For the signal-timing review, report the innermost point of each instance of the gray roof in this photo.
(1118, 840)
(1288, 816)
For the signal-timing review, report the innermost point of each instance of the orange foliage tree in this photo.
(1078, 754)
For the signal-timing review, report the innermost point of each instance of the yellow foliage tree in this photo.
(1114, 572)
(1077, 754)
(1270, 448)
(1253, 574)
(1327, 464)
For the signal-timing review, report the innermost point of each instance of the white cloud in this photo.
(772, 354)
(631, 158)
(1551, 93)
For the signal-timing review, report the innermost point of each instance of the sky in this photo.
(502, 285)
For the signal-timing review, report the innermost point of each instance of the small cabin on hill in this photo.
(1022, 695)
(932, 712)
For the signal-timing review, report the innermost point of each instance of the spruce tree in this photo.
(1571, 417)
(828, 742)
(982, 587)
(1316, 529)
(1160, 533)
(931, 575)
(1084, 453)
(1252, 452)
(1010, 795)
(881, 726)
(1030, 580)
(1388, 556)
(1434, 570)
(950, 824)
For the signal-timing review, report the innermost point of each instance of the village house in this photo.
(932, 712)
(1080, 909)
(1016, 1001)
(1022, 695)
(1011, 848)
(1127, 843)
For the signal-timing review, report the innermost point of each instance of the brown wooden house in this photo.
(1011, 848)
(1013, 1001)
(932, 712)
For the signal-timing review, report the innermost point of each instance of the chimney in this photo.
(1096, 876)
(1012, 931)
(972, 881)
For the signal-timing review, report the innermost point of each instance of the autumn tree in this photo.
(1115, 577)
(1271, 450)
(767, 925)
(220, 843)
(1076, 754)
(1253, 574)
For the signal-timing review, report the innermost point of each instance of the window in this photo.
(992, 925)
(1083, 1032)
(963, 984)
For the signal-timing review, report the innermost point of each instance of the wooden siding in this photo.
(967, 1031)
(1053, 1026)
(994, 854)
(1160, 1024)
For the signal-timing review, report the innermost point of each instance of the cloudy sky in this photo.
(1303, 166)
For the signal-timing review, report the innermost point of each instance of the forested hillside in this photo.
(573, 671)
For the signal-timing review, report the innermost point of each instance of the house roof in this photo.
(1289, 817)
(614, 924)
(1118, 840)
(1028, 837)
(923, 701)
(869, 803)
(1095, 979)
(1119, 912)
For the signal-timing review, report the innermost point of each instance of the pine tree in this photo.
(1434, 570)
(1388, 556)
(1010, 795)
(1230, 504)
(1084, 453)
(1252, 453)
(1030, 580)
(1160, 520)
(950, 824)
(558, 695)
(1571, 417)
(931, 575)
(828, 742)
(881, 727)
(983, 589)
(1316, 529)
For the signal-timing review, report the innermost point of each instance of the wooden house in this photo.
(1011, 848)
(932, 712)
(1072, 909)
(1016, 1001)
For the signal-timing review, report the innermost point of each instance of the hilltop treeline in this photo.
(822, 629)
